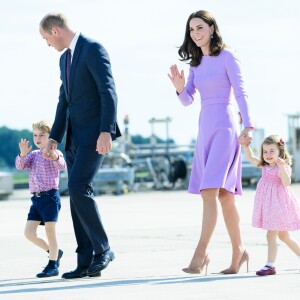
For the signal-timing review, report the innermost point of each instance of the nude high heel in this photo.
(198, 270)
(245, 258)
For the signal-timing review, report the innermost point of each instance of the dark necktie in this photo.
(68, 67)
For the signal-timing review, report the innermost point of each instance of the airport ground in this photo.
(153, 235)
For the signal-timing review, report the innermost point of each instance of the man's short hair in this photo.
(53, 19)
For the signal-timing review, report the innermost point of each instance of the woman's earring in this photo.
(212, 36)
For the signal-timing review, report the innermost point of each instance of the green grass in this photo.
(142, 174)
(20, 177)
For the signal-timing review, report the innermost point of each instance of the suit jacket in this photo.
(90, 106)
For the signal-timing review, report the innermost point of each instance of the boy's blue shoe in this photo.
(48, 272)
(60, 254)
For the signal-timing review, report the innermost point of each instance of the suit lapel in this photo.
(75, 60)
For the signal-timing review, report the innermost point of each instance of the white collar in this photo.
(73, 43)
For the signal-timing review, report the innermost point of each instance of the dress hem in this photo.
(272, 229)
(195, 192)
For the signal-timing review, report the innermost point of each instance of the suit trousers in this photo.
(83, 163)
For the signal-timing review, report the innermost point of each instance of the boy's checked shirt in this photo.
(43, 173)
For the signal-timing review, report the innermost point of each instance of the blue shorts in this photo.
(45, 208)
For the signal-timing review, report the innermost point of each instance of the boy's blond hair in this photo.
(43, 125)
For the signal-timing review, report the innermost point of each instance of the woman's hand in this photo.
(245, 137)
(177, 78)
(245, 140)
(247, 131)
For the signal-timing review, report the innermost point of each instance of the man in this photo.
(86, 111)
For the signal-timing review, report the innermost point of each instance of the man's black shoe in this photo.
(79, 272)
(100, 262)
(48, 272)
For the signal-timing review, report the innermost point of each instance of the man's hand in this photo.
(48, 152)
(53, 155)
(104, 143)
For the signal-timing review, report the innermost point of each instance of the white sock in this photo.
(269, 265)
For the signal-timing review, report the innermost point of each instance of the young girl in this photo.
(275, 207)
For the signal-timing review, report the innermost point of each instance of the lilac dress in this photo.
(217, 155)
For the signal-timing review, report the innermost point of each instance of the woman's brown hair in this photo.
(189, 51)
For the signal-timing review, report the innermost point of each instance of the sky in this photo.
(141, 38)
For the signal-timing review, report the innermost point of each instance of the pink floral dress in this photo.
(275, 206)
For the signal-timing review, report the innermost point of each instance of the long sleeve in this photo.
(234, 73)
(186, 96)
(24, 163)
(60, 164)
(60, 122)
(43, 173)
(98, 64)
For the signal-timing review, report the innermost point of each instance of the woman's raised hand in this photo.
(177, 78)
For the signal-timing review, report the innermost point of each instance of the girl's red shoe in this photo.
(269, 271)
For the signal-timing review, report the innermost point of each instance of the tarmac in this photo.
(153, 235)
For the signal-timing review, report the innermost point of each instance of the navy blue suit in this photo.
(88, 108)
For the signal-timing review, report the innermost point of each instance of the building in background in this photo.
(294, 144)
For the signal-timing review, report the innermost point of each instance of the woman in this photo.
(216, 169)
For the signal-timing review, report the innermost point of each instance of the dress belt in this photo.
(209, 101)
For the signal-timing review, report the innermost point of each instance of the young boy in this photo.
(43, 185)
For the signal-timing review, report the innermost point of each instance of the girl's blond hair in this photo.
(279, 142)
